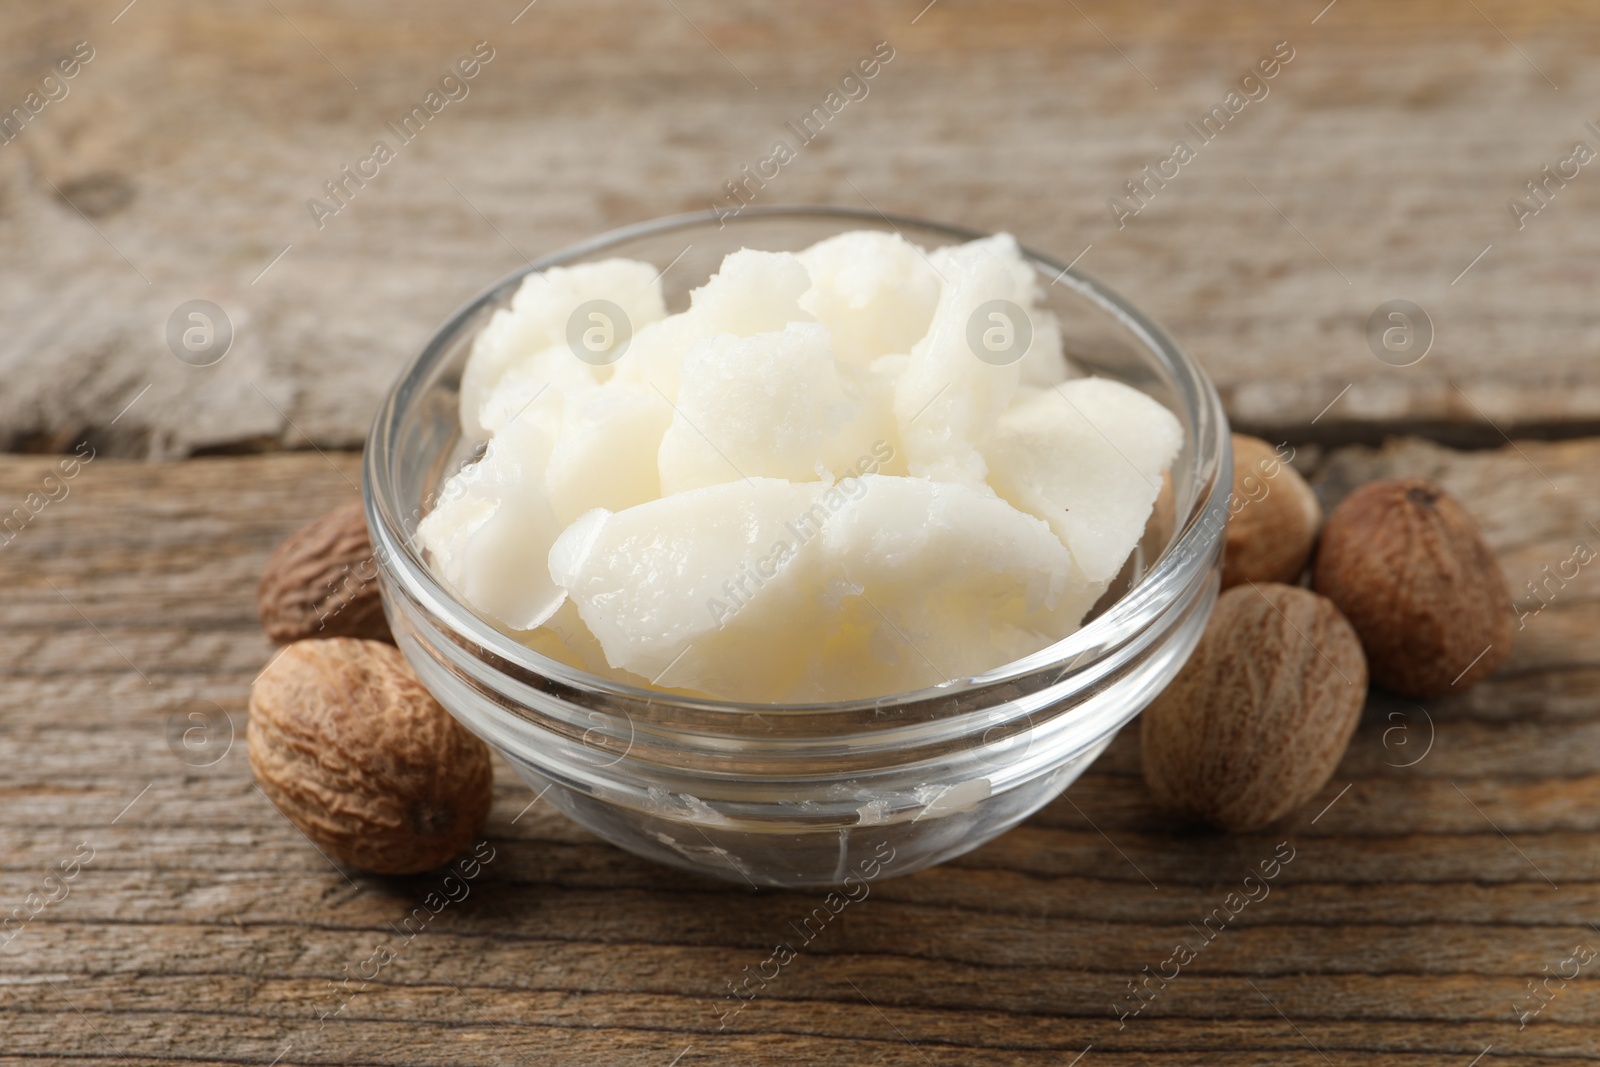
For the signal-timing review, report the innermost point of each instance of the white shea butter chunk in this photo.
(753, 293)
(605, 455)
(530, 337)
(538, 382)
(874, 291)
(565, 638)
(947, 398)
(491, 531)
(1086, 457)
(936, 581)
(711, 590)
(773, 405)
(1044, 364)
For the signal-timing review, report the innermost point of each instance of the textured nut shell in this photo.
(1269, 538)
(322, 582)
(1409, 568)
(1257, 720)
(347, 743)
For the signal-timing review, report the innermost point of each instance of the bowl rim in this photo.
(402, 560)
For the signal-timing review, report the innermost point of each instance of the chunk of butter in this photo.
(858, 470)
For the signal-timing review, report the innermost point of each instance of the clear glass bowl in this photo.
(816, 794)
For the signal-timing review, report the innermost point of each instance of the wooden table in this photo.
(1452, 859)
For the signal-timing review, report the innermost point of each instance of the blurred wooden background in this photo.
(1382, 159)
(1379, 167)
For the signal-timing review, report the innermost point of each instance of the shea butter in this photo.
(857, 470)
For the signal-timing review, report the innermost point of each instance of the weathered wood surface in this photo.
(1383, 159)
(1450, 860)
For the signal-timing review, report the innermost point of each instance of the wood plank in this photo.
(1383, 159)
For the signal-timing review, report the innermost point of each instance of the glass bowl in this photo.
(806, 794)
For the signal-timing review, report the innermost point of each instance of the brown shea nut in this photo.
(1273, 517)
(1413, 574)
(323, 582)
(1257, 720)
(348, 744)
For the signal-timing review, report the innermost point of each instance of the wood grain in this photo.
(1449, 861)
(1379, 166)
